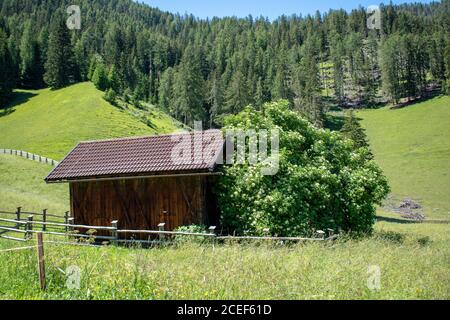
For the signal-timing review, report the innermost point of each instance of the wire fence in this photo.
(29, 156)
(22, 225)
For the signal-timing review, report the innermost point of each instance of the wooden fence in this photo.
(23, 225)
(30, 156)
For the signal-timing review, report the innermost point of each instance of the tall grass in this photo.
(412, 267)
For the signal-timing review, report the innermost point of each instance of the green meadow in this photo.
(51, 122)
(411, 145)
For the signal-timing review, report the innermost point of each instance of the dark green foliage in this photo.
(60, 67)
(7, 74)
(404, 66)
(323, 181)
(352, 130)
(31, 66)
(100, 77)
(229, 63)
(111, 96)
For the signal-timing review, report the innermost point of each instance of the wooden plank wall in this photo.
(142, 204)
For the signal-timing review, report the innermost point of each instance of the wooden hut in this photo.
(145, 181)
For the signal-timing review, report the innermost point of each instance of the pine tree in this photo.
(215, 101)
(390, 68)
(60, 68)
(165, 89)
(100, 77)
(31, 68)
(307, 85)
(447, 66)
(7, 75)
(353, 131)
(188, 93)
(337, 55)
(259, 95)
(113, 80)
(236, 95)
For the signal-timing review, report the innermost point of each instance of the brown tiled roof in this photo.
(141, 156)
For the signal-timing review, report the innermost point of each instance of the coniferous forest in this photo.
(199, 69)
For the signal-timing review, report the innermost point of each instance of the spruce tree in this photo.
(60, 69)
(7, 75)
(352, 130)
(165, 89)
(100, 77)
(31, 68)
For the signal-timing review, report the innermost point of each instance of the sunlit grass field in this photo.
(412, 145)
(413, 260)
(413, 257)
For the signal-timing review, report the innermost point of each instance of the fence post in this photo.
(114, 233)
(18, 217)
(71, 223)
(212, 230)
(66, 219)
(29, 226)
(41, 259)
(266, 232)
(161, 228)
(44, 220)
(320, 234)
(330, 233)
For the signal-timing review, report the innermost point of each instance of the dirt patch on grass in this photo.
(408, 209)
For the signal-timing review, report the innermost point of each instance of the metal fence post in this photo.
(114, 233)
(161, 228)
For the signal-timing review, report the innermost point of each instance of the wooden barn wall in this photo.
(144, 203)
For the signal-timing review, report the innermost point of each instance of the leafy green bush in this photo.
(190, 229)
(323, 180)
(111, 97)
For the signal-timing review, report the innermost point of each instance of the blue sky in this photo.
(267, 8)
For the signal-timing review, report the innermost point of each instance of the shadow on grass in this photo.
(17, 99)
(390, 236)
(430, 94)
(396, 220)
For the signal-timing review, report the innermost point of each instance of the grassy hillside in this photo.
(412, 145)
(413, 258)
(51, 123)
(22, 184)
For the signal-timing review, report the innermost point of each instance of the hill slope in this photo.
(51, 123)
(412, 145)
(22, 184)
